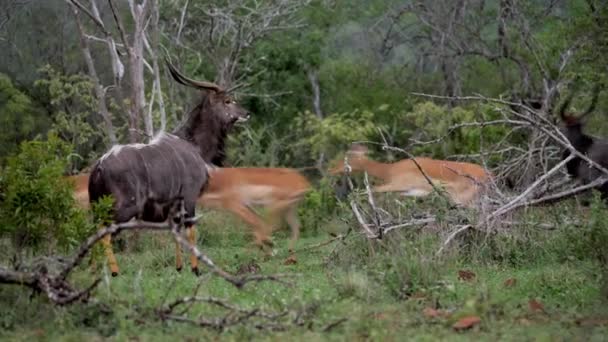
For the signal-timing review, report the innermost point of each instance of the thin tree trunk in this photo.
(136, 61)
(152, 51)
(316, 104)
(316, 92)
(100, 93)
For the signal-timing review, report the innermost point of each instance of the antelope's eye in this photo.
(228, 101)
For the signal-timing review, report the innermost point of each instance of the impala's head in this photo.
(355, 157)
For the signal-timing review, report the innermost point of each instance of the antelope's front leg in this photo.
(191, 233)
(178, 256)
(107, 246)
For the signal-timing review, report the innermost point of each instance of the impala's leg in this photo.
(107, 246)
(387, 188)
(260, 228)
(291, 216)
(276, 213)
(191, 232)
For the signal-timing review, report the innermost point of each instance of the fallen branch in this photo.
(452, 236)
(507, 207)
(340, 237)
(410, 224)
(561, 195)
(368, 232)
(234, 315)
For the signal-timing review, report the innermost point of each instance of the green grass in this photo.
(341, 281)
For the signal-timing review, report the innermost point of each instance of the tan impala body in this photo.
(463, 182)
(279, 190)
(81, 189)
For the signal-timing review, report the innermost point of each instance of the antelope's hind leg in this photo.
(191, 232)
(107, 246)
(289, 212)
(291, 216)
(178, 256)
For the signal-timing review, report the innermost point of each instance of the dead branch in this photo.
(507, 207)
(456, 231)
(372, 204)
(415, 222)
(561, 195)
(233, 316)
(339, 237)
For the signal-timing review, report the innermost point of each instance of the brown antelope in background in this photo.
(81, 189)
(279, 190)
(594, 148)
(463, 182)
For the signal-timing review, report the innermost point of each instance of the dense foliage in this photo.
(366, 58)
(37, 208)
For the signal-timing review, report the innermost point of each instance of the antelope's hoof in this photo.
(114, 274)
(291, 260)
(196, 271)
(178, 269)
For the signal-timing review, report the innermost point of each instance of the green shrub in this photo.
(20, 118)
(430, 121)
(319, 206)
(37, 208)
(332, 134)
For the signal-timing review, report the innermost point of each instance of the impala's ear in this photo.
(358, 150)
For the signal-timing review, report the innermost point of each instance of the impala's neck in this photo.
(372, 167)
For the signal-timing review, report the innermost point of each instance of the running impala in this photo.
(279, 190)
(463, 182)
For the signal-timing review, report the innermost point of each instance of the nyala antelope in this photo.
(462, 182)
(146, 180)
(594, 148)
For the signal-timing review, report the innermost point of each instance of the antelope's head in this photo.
(217, 101)
(573, 124)
(354, 160)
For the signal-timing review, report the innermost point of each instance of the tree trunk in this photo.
(136, 61)
(152, 48)
(100, 93)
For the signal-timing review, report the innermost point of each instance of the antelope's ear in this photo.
(358, 150)
(337, 167)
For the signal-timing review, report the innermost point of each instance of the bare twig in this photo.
(339, 237)
(457, 231)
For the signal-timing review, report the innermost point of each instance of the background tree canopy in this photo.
(316, 74)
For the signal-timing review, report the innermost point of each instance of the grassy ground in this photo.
(332, 283)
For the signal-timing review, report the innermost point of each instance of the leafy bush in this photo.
(256, 147)
(431, 121)
(71, 98)
(37, 208)
(20, 118)
(319, 205)
(332, 134)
